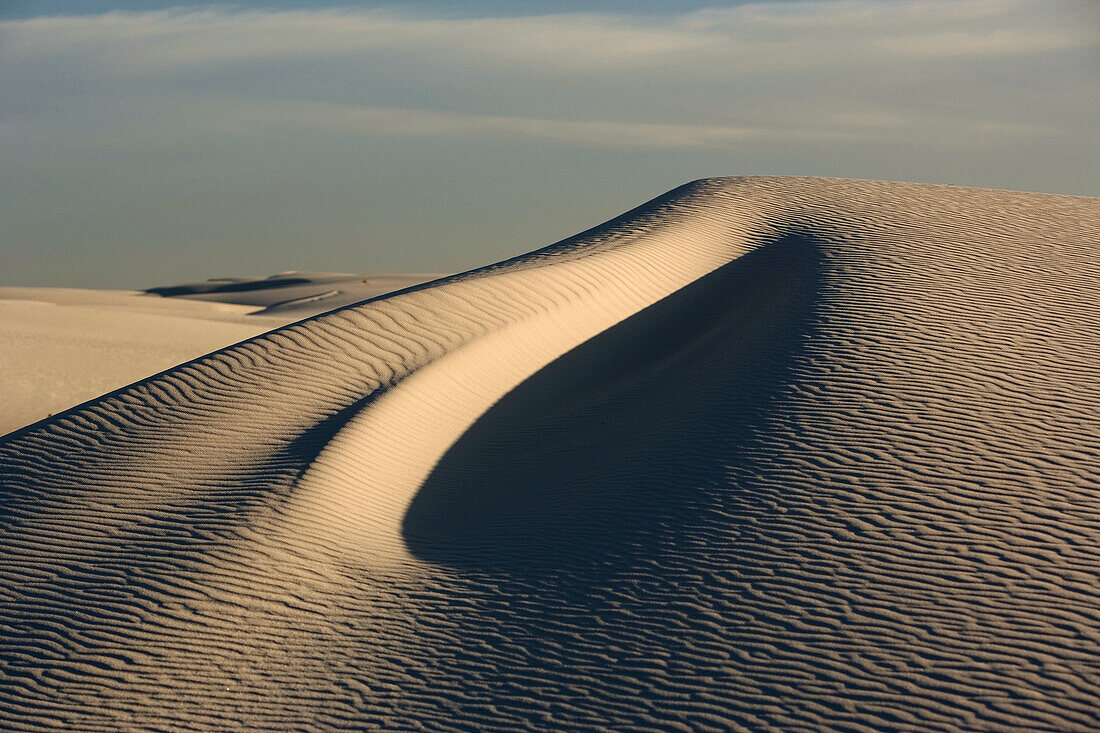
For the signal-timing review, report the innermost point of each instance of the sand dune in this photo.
(764, 453)
(293, 295)
(60, 347)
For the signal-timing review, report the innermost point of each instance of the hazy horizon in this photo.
(142, 146)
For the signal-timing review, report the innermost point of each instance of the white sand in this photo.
(60, 346)
(764, 453)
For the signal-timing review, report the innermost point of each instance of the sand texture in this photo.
(60, 346)
(763, 453)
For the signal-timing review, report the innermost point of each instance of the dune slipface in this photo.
(777, 453)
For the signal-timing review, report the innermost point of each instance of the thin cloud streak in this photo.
(155, 40)
(419, 123)
(423, 123)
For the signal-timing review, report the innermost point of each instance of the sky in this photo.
(143, 143)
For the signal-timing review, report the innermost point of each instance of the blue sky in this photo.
(143, 143)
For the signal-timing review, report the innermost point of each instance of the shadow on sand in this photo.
(611, 452)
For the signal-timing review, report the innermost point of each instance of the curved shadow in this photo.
(605, 455)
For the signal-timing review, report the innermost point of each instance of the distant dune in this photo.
(61, 346)
(293, 295)
(763, 453)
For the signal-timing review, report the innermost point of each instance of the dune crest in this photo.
(762, 453)
(361, 483)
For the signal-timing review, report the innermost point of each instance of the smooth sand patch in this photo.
(59, 348)
(62, 346)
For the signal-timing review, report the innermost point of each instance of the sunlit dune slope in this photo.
(764, 453)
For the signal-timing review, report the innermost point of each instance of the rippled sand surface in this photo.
(763, 453)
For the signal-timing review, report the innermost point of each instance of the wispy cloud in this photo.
(204, 125)
(709, 78)
(959, 44)
(217, 35)
(153, 40)
(391, 122)
(427, 123)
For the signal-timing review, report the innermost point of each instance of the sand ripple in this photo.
(764, 453)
